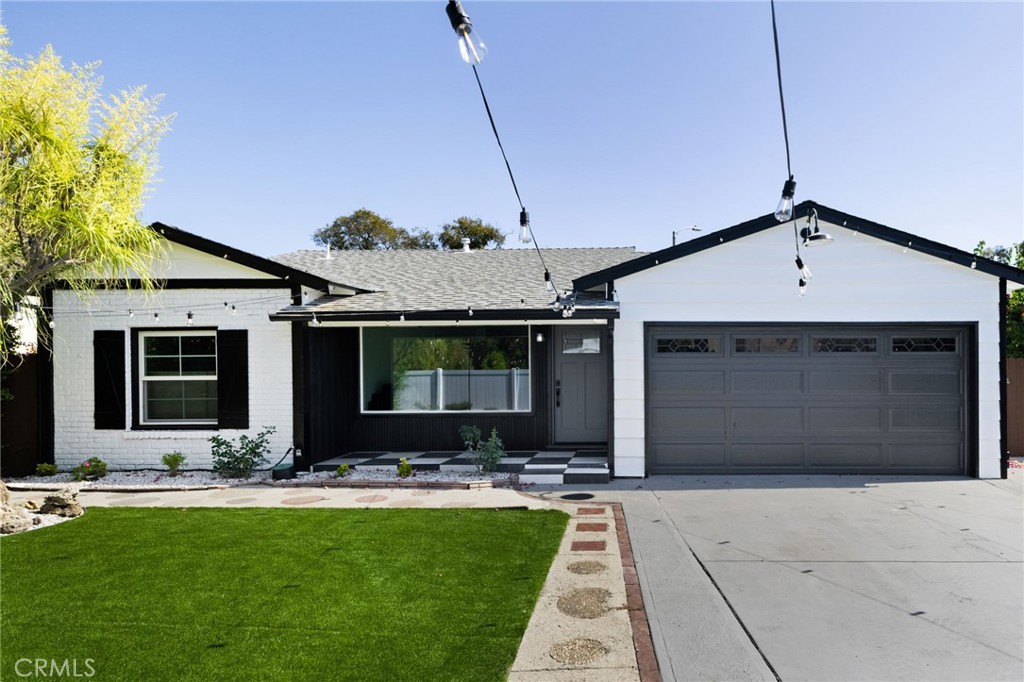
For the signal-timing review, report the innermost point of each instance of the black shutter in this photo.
(108, 379)
(233, 379)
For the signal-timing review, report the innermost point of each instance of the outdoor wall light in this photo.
(471, 47)
(540, 337)
(812, 234)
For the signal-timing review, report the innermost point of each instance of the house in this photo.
(700, 358)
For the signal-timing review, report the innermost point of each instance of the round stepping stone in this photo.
(586, 602)
(370, 498)
(578, 650)
(241, 500)
(586, 567)
(305, 499)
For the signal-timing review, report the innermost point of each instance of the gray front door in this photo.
(581, 385)
(807, 399)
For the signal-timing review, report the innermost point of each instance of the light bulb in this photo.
(524, 227)
(471, 47)
(549, 286)
(803, 287)
(156, 317)
(188, 318)
(805, 272)
(234, 311)
(784, 211)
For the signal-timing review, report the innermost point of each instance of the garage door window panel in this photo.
(683, 345)
(844, 345)
(767, 344)
(924, 344)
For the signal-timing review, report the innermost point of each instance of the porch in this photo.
(542, 467)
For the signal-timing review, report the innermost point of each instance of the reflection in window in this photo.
(688, 345)
(425, 369)
(918, 344)
(832, 344)
(179, 377)
(584, 341)
(767, 344)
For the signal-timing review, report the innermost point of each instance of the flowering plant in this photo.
(90, 469)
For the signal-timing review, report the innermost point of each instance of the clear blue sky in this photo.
(622, 121)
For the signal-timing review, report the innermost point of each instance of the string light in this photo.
(188, 318)
(784, 211)
(156, 317)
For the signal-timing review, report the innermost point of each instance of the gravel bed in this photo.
(159, 480)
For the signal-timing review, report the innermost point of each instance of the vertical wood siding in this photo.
(336, 426)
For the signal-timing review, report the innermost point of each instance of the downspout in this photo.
(1004, 446)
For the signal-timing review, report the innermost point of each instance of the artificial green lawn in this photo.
(277, 594)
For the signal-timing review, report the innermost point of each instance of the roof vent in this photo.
(465, 245)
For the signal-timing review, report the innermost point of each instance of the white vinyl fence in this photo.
(463, 389)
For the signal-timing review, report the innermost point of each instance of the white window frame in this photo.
(143, 379)
(362, 383)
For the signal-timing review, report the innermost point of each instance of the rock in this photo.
(13, 520)
(29, 504)
(5, 494)
(62, 503)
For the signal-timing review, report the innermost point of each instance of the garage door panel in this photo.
(749, 420)
(746, 381)
(925, 419)
(668, 383)
(863, 455)
(938, 456)
(845, 380)
(935, 382)
(688, 421)
(679, 456)
(767, 455)
(808, 398)
(847, 418)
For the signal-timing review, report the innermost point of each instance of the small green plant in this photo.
(231, 461)
(487, 455)
(404, 468)
(342, 471)
(90, 469)
(173, 462)
(470, 436)
(46, 469)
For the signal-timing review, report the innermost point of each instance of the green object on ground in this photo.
(272, 594)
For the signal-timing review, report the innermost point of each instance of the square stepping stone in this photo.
(588, 546)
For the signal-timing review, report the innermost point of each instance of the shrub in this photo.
(231, 461)
(404, 468)
(173, 462)
(90, 469)
(470, 436)
(342, 471)
(487, 456)
(46, 469)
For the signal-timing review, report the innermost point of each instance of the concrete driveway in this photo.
(829, 578)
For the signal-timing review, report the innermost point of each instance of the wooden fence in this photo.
(1015, 406)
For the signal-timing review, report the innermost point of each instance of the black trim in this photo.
(250, 260)
(299, 420)
(1004, 440)
(460, 315)
(108, 379)
(46, 419)
(830, 215)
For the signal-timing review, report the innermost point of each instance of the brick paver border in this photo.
(646, 661)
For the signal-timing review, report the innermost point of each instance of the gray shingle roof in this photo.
(407, 281)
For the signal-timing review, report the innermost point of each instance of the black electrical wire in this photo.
(782, 101)
(504, 156)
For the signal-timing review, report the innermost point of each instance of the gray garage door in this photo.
(846, 399)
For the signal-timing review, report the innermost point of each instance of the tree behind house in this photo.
(1011, 255)
(364, 230)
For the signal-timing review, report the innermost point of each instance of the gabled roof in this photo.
(249, 260)
(825, 214)
(426, 284)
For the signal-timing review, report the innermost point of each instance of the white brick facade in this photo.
(75, 320)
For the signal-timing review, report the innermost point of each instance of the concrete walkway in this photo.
(581, 628)
(829, 578)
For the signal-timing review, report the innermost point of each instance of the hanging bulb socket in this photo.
(549, 286)
(784, 211)
(524, 227)
(471, 47)
(188, 318)
(803, 286)
(805, 272)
